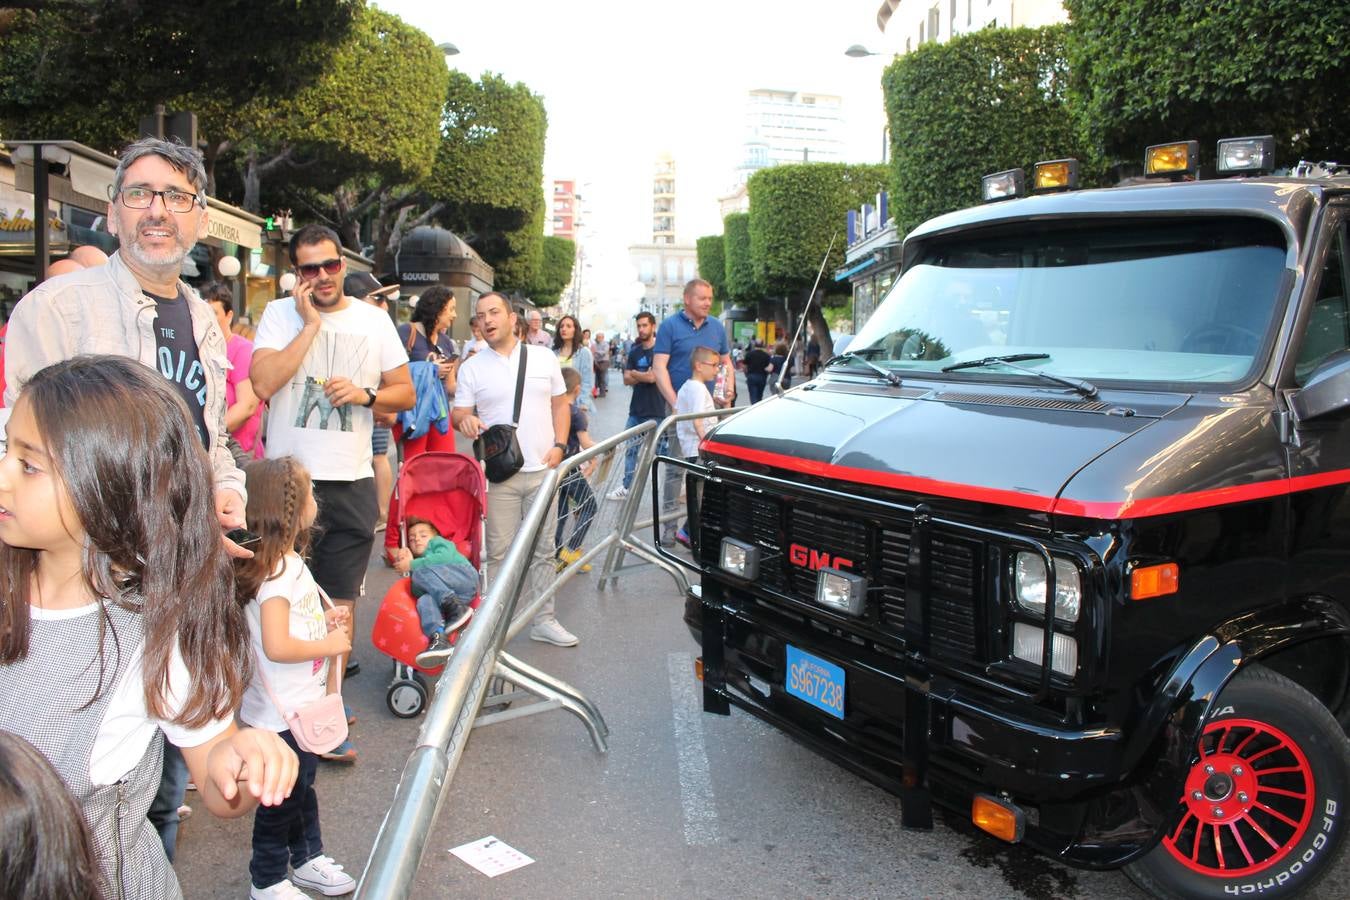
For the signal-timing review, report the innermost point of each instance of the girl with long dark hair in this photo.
(573, 353)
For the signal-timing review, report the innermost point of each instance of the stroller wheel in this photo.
(406, 698)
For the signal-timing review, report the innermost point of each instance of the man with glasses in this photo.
(328, 363)
(137, 306)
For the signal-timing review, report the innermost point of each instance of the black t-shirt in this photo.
(580, 423)
(756, 361)
(647, 402)
(176, 356)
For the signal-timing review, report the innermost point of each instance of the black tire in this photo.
(406, 698)
(1268, 798)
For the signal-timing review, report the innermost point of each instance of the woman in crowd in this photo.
(573, 353)
(426, 336)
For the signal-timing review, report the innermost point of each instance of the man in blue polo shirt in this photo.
(678, 336)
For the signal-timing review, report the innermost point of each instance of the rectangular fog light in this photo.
(1028, 641)
(841, 591)
(740, 559)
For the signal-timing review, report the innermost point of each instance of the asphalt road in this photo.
(683, 804)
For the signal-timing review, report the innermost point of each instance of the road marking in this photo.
(696, 791)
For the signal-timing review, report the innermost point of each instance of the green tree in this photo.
(797, 214)
(993, 100)
(740, 280)
(712, 264)
(1164, 70)
(88, 71)
(555, 272)
(487, 174)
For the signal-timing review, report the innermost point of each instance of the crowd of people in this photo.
(188, 508)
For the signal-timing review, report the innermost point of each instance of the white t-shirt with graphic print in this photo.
(295, 684)
(359, 343)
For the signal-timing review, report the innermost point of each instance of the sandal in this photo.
(342, 753)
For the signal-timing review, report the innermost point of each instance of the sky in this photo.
(626, 80)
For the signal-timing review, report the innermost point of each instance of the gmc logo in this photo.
(816, 559)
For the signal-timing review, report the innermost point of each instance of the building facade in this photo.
(911, 23)
(663, 269)
(791, 127)
(563, 201)
(663, 200)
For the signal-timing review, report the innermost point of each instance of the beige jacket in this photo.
(102, 310)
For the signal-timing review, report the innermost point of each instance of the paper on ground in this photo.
(491, 857)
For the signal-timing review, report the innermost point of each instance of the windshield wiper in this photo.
(1085, 388)
(891, 378)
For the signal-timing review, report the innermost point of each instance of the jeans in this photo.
(288, 833)
(574, 492)
(755, 385)
(315, 400)
(435, 586)
(630, 457)
(163, 812)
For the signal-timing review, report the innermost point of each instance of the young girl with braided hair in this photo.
(118, 623)
(294, 641)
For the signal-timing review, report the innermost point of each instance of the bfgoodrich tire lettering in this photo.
(1264, 809)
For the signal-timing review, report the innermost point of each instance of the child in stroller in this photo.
(443, 582)
(447, 490)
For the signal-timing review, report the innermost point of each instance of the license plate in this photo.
(816, 681)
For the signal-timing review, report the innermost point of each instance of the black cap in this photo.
(358, 284)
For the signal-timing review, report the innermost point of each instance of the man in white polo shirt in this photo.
(485, 396)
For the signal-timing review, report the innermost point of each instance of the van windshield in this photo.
(1156, 300)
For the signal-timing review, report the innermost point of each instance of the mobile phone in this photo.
(243, 537)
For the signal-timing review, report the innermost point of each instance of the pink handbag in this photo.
(322, 725)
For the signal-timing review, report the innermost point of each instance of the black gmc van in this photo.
(1135, 401)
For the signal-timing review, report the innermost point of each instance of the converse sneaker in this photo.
(324, 876)
(619, 493)
(552, 632)
(456, 614)
(282, 890)
(437, 652)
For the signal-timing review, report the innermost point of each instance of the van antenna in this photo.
(778, 381)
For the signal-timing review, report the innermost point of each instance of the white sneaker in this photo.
(619, 493)
(282, 890)
(325, 876)
(552, 632)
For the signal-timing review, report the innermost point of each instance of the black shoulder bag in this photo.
(498, 447)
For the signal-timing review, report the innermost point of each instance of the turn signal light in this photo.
(1176, 158)
(1154, 581)
(698, 668)
(998, 817)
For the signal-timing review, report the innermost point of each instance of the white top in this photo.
(693, 397)
(359, 343)
(488, 380)
(474, 345)
(295, 684)
(127, 727)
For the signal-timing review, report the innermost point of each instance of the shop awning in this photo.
(227, 223)
(860, 266)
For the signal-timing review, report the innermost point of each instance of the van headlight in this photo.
(1029, 645)
(740, 559)
(1029, 586)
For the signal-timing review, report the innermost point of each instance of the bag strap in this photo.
(520, 384)
(323, 595)
(412, 336)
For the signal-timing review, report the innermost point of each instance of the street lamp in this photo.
(448, 49)
(858, 51)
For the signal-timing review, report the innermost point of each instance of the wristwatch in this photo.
(370, 397)
(562, 447)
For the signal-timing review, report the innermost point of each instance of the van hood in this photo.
(1006, 444)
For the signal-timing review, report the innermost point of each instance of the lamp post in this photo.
(858, 51)
(449, 49)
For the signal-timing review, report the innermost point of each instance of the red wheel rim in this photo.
(1248, 800)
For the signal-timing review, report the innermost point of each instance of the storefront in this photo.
(79, 181)
(872, 259)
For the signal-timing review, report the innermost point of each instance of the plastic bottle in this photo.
(720, 387)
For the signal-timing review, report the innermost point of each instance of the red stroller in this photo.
(448, 490)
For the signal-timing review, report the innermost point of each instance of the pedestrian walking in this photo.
(576, 500)
(756, 370)
(486, 397)
(535, 333)
(600, 357)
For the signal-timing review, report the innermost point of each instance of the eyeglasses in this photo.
(174, 200)
(311, 270)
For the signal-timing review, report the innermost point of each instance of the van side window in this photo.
(1329, 322)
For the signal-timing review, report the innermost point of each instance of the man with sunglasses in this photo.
(328, 363)
(136, 305)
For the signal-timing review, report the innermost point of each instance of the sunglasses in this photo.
(311, 270)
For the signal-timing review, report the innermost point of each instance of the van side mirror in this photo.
(1327, 390)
